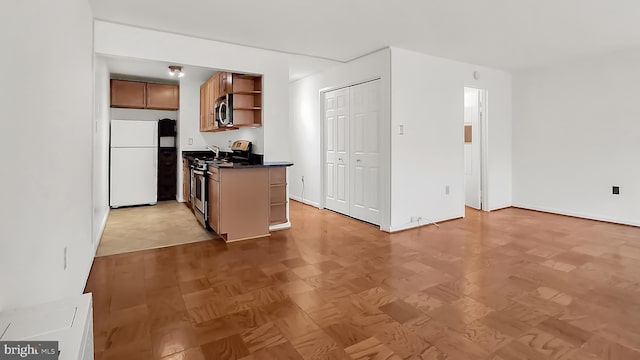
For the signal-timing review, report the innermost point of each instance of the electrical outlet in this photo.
(229, 143)
(65, 259)
(446, 190)
(401, 129)
(190, 141)
(415, 219)
(615, 190)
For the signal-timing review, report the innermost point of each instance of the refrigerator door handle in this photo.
(155, 134)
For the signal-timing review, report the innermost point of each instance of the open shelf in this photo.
(247, 100)
(253, 92)
(247, 108)
(277, 195)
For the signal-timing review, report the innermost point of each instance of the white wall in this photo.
(46, 150)
(428, 99)
(121, 40)
(306, 128)
(576, 134)
(102, 116)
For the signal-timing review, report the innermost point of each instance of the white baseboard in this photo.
(305, 201)
(103, 224)
(396, 228)
(282, 226)
(96, 243)
(500, 207)
(578, 214)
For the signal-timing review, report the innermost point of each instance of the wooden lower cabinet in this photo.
(186, 182)
(239, 202)
(213, 203)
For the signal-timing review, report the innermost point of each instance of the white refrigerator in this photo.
(134, 164)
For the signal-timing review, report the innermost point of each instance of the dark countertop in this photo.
(192, 155)
(256, 160)
(230, 165)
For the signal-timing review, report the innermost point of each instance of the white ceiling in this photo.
(129, 68)
(508, 34)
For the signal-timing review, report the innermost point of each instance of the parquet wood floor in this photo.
(512, 284)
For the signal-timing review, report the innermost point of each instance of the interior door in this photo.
(365, 151)
(473, 147)
(336, 120)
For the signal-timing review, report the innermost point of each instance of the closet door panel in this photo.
(336, 120)
(365, 152)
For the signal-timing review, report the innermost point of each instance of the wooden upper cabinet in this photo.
(247, 100)
(163, 96)
(203, 107)
(225, 84)
(142, 95)
(211, 96)
(128, 94)
(207, 118)
(214, 82)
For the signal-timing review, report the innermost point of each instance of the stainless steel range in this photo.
(199, 190)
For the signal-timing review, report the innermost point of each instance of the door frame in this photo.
(484, 136)
(323, 137)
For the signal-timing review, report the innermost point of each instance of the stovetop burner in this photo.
(200, 163)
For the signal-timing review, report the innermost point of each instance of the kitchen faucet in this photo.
(215, 149)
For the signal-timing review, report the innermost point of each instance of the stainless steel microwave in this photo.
(223, 109)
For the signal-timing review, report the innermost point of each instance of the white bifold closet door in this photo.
(352, 164)
(336, 105)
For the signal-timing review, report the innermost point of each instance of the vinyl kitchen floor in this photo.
(149, 227)
(506, 285)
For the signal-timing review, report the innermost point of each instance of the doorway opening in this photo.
(475, 120)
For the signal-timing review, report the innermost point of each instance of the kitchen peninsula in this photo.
(242, 200)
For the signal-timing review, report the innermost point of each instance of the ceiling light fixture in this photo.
(176, 71)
